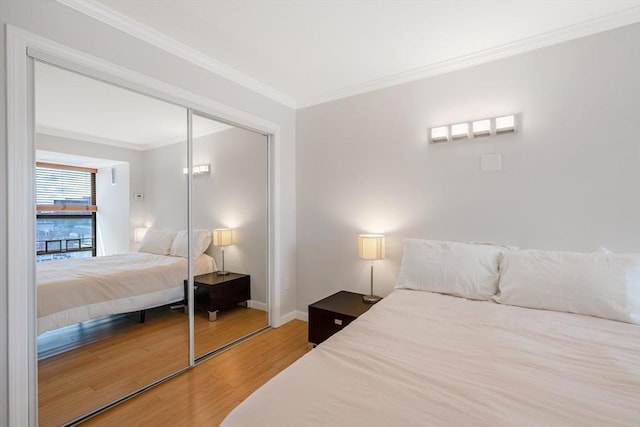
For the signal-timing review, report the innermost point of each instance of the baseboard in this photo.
(257, 305)
(293, 315)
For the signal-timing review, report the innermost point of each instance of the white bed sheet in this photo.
(74, 290)
(425, 359)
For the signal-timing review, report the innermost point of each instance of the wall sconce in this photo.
(481, 127)
(198, 170)
(474, 129)
(139, 233)
(505, 124)
(440, 134)
(461, 130)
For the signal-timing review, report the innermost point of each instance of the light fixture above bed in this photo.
(474, 129)
(371, 247)
(198, 170)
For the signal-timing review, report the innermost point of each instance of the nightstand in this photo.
(213, 292)
(333, 313)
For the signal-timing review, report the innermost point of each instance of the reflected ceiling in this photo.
(78, 107)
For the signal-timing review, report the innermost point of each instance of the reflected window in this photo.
(66, 212)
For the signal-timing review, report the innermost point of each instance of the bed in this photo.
(422, 356)
(75, 290)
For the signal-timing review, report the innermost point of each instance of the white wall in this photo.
(113, 218)
(570, 177)
(165, 187)
(118, 214)
(233, 196)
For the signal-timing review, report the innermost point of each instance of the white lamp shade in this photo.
(371, 246)
(221, 237)
(139, 233)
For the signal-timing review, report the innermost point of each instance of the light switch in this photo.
(491, 162)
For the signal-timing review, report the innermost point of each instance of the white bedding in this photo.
(425, 359)
(74, 290)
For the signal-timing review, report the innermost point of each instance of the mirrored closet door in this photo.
(229, 202)
(111, 206)
(142, 207)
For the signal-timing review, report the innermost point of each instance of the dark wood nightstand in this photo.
(331, 314)
(213, 292)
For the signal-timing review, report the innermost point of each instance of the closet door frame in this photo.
(22, 48)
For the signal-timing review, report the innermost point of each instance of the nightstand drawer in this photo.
(323, 324)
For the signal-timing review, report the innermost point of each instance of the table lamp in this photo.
(222, 238)
(371, 247)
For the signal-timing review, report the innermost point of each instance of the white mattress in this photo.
(424, 359)
(74, 290)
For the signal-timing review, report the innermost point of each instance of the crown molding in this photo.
(78, 136)
(605, 23)
(138, 30)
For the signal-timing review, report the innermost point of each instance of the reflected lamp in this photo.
(222, 238)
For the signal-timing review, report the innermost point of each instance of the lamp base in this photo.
(371, 299)
(222, 273)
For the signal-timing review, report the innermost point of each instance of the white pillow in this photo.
(180, 246)
(460, 269)
(601, 284)
(157, 242)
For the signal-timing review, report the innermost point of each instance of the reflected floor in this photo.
(88, 365)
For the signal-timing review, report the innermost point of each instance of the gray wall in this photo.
(570, 176)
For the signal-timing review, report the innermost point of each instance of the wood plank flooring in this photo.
(93, 364)
(204, 395)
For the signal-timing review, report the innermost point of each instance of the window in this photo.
(66, 212)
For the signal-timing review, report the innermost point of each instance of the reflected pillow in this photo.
(180, 246)
(601, 284)
(157, 242)
(452, 268)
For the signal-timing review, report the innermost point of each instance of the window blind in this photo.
(65, 189)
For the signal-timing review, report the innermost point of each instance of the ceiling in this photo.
(306, 52)
(301, 53)
(78, 107)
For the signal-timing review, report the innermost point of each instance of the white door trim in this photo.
(21, 331)
(21, 351)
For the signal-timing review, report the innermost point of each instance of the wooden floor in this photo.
(204, 395)
(92, 364)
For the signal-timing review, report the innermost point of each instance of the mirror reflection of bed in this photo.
(112, 243)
